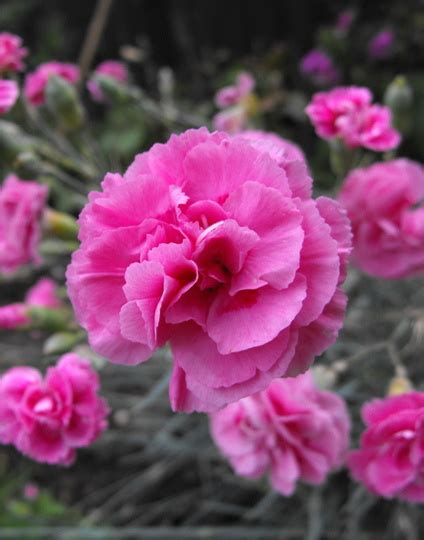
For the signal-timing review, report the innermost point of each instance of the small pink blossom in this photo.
(347, 113)
(42, 294)
(390, 460)
(31, 491)
(345, 20)
(36, 82)
(380, 46)
(232, 95)
(48, 419)
(319, 67)
(233, 120)
(21, 207)
(383, 204)
(11, 52)
(291, 431)
(214, 244)
(9, 93)
(109, 68)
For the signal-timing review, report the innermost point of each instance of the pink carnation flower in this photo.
(9, 93)
(347, 113)
(388, 225)
(291, 431)
(21, 207)
(48, 419)
(31, 492)
(11, 52)
(319, 67)
(42, 294)
(211, 244)
(36, 82)
(232, 95)
(390, 461)
(344, 21)
(110, 68)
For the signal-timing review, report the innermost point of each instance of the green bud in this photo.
(13, 141)
(114, 90)
(60, 224)
(399, 97)
(50, 320)
(63, 102)
(27, 165)
(62, 342)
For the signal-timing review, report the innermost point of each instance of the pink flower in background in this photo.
(347, 113)
(232, 95)
(31, 492)
(345, 20)
(390, 461)
(319, 67)
(232, 120)
(388, 225)
(380, 46)
(11, 52)
(212, 244)
(36, 82)
(21, 208)
(109, 68)
(48, 419)
(291, 431)
(42, 294)
(9, 93)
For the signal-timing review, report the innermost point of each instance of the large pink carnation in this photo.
(21, 208)
(390, 461)
(47, 419)
(210, 243)
(382, 202)
(11, 52)
(348, 114)
(292, 430)
(36, 82)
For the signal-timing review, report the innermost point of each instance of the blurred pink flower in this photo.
(35, 82)
(380, 46)
(391, 455)
(48, 419)
(347, 113)
(109, 68)
(345, 20)
(212, 244)
(319, 67)
(232, 95)
(21, 207)
(291, 431)
(11, 52)
(9, 93)
(42, 294)
(31, 491)
(232, 120)
(388, 225)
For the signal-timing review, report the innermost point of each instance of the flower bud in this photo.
(113, 90)
(50, 320)
(13, 141)
(399, 97)
(60, 224)
(399, 385)
(62, 101)
(61, 342)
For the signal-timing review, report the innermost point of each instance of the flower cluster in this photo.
(212, 243)
(21, 209)
(349, 115)
(382, 202)
(234, 99)
(36, 82)
(390, 461)
(42, 294)
(109, 68)
(48, 419)
(292, 430)
(319, 67)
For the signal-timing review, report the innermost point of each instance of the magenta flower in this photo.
(391, 455)
(211, 244)
(31, 492)
(9, 93)
(380, 46)
(232, 95)
(109, 68)
(319, 67)
(348, 114)
(291, 431)
(388, 225)
(11, 52)
(21, 208)
(345, 20)
(48, 419)
(36, 82)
